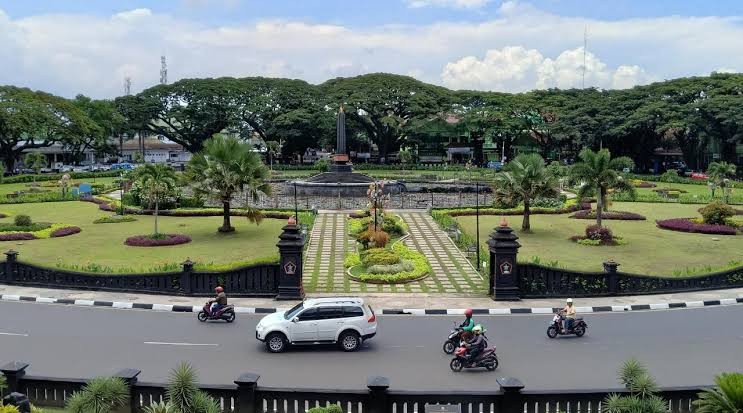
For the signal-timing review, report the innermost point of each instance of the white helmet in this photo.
(569, 301)
(477, 329)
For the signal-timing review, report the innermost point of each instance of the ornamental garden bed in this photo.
(611, 215)
(38, 231)
(596, 236)
(157, 240)
(396, 265)
(694, 226)
(571, 205)
(114, 219)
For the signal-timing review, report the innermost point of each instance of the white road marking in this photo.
(14, 334)
(160, 343)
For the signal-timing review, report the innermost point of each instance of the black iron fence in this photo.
(247, 396)
(536, 281)
(260, 280)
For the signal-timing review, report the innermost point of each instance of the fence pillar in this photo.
(185, 282)
(291, 246)
(504, 275)
(377, 394)
(130, 378)
(11, 257)
(513, 400)
(13, 373)
(247, 399)
(613, 279)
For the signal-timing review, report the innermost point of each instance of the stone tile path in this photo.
(324, 271)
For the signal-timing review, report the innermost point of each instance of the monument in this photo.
(341, 180)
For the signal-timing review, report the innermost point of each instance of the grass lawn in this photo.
(649, 250)
(103, 244)
(694, 193)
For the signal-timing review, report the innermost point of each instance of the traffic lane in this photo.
(74, 341)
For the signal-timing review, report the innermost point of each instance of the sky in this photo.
(89, 46)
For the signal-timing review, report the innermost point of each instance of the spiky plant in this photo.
(100, 395)
(181, 388)
(727, 397)
(203, 403)
(3, 383)
(8, 409)
(160, 407)
(642, 388)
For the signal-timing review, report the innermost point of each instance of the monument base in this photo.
(290, 293)
(506, 294)
(344, 167)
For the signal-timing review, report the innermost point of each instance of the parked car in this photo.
(497, 165)
(122, 166)
(345, 321)
(700, 176)
(81, 168)
(66, 168)
(100, 167)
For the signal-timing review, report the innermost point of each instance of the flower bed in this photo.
(114, 219)
(63, 232)
(412, 266)
(571, 205)
(688, 225)
(638, 183)
(48, 231)
(611, 215)
(16, 236)
(598, 236)
(161, 240)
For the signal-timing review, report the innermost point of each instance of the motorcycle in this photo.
(555, 327)
(456, 336)
(487, 359)
(226, 313)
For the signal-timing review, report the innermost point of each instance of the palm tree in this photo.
(524, 179)
(727, 397)
(225, 167)
(718, 173)
(599, 173)
(273, 148)
(100, 395)
(35, 161)
(157, 181)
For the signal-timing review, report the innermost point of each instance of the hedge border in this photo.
(611, 215)
(687, 225)
(172, 239)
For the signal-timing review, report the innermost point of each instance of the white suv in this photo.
(343, 320)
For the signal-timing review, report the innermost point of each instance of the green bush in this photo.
(547, 203)
(401, 266)
(23, 220)
(333, 408)
(100, 395)
(39, 197)
(421, 267)
(670, 176)
(393, 225)
(191, 202)
(379, 256)
(322, 165)
(114, 219)
(32, 227)
(717, 213)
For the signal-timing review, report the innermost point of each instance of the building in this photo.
(155, 151)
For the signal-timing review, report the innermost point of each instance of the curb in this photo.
(404, 311)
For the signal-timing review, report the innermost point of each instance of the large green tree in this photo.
(108, 123)
(384, 105)
(524, 179)
(157, 181)
(31, 120)
(225, 167)
(597, 173)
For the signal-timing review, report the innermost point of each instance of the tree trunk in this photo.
(525, 224)
(156, 208)
(599, 206)
(226, 225)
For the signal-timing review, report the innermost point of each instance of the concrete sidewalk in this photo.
(382, 301)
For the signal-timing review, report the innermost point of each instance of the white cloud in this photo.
(726, 70)
(517, 69)
(518, 48)
(456, 4)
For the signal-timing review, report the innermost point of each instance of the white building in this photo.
(156, 151)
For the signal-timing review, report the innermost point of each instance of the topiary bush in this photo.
(23, 220)
(393, 225)
(597, 233)
(157, 241)
(333, 408)
(391, 268)
(716, 213)
(379, 256)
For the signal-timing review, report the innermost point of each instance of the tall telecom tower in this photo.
(163, 71)
(127, 86)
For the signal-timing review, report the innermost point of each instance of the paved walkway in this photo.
(452, 271)
(323, 264)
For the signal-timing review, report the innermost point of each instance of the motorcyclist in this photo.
(476, 344)
(468, 324)
(568, 315)
(220, 301)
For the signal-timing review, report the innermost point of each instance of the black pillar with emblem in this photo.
(291, 244)
(504, 249)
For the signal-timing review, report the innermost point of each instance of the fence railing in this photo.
(536, 281)
(246, 396)
(260, 280)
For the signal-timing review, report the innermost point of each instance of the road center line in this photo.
(161, 343)
(14, 334)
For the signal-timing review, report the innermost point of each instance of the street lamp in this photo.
(296, 208)
(121, 188)
(376, 195)
(477, 224)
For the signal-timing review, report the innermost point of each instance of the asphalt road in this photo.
(681, 347)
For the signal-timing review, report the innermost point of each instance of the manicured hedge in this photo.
(49, 231)
(63, 232)
(687, 225)
(39, 197)
(56, 177)
(150, 241)
(611, 215)
(17, 236)
(570, 205)
(421, 267)
(114, 219)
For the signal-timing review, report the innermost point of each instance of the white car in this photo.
(345, 321)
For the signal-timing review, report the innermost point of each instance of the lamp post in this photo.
(121, 187)
(477, 223)
(376, 195)
(296, 208)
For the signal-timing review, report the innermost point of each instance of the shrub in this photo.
(191, 202)
(391, 268)
(380, 239)
(100, 395)
(24, 228)
(17, 236)
(393, 225)
(160, 240)
(547, 203)
(63, 232)
(727, 396)
(642, 389)
(333, 408)
(687, 225)
(421, 267)
(379, 256)
(23, 220)
(670, 176)
(716, 213)
(595, 232)
(8, 409)
(114, 219)
(611, 215)
(322, 165)
(39, 197)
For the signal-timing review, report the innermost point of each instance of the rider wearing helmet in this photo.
(220, 301)
(476, 344)
(568, 315)
(468, 323)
